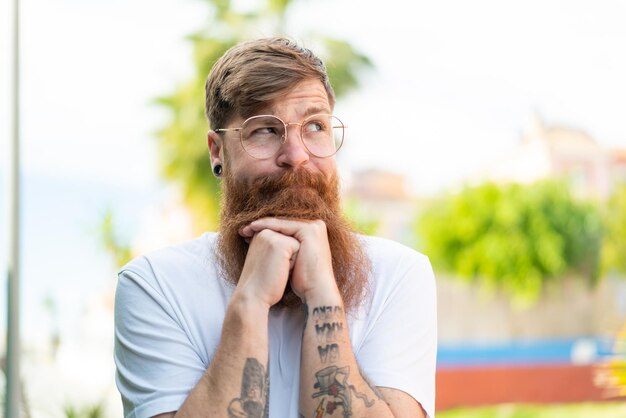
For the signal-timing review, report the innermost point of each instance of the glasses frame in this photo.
(284, 136)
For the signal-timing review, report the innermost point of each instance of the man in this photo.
(286, 312)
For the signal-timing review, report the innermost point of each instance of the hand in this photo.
(313, 270)
(271, 256)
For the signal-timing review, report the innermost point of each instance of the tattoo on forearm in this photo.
(325, 313)
(328, 353)
(327, 322)
(253, 399)
(335, 392)
(328, 327)
(328, 331)
(373, 387)
(332, 387)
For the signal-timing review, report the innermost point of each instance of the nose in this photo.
(292, 152)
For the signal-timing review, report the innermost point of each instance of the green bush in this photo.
(513, 237)
(580, 410)
(614, 243)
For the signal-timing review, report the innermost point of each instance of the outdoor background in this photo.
(489, 135)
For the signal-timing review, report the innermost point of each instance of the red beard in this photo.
(292, 195)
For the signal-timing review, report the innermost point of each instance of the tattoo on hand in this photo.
(253, 399)
(334, 391)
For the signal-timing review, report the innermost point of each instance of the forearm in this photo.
(329, 374)
(237, 377)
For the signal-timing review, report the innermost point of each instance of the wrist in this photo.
(247, 306)
(326, 294)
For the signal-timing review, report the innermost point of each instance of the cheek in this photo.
(327, 166)
(249, 169)
(236, 161)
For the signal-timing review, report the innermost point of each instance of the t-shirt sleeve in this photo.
(156, 364)
(400, 348)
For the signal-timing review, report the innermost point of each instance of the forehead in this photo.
(305, 98)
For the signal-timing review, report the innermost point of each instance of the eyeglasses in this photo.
(261, 136)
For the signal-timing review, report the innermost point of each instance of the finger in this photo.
(284, 226)
(246, 232)
(276, 240)
(294, 244)
(249, 230)
(257, 226)
(292, 260)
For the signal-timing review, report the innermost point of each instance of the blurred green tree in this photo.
(95, 411)
(513, 237)
(614, 243)
(184, 157)
(361, 220)
(118, 247)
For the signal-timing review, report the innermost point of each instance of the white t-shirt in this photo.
(170, 306)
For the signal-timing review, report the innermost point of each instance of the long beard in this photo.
(292, 195)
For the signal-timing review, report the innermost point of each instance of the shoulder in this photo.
(190, 261)
(196, 252)
(391, 256)
(398, 272)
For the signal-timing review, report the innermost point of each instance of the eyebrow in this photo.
(313, 110)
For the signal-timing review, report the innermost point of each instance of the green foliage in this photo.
(614, 243)
(343, 63)
(96, 411)
(580, 410)
(362, 221)
(513, 237)
(182, 144)
(112, 243)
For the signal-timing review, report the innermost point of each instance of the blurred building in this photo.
(618, 166)
(564, 153)
(382, 198)
(378, 185)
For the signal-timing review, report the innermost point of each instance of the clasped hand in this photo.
(280, 246)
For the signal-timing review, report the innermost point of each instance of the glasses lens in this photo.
(261, 136)
(322, 135)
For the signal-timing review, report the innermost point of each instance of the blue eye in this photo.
(314, 126)
(266, 130)
(262, 129)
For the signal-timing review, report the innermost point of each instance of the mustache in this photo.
(300, 178)
(297, 194)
